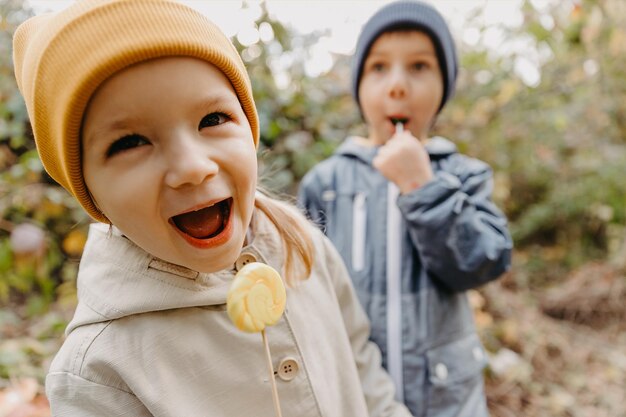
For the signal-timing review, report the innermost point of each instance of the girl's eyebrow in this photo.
(114, 125)
(208, 102)
(212, 100)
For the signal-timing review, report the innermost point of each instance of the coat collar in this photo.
(118, 279)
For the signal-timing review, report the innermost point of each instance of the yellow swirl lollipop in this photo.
(256, 297)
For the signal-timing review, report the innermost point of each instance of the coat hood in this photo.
(437, 147)
(117, 278)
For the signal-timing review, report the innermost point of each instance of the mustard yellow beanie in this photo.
(61, 58)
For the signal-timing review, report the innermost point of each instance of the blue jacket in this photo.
(453, 238)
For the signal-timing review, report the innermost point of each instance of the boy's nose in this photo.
(188, 164)
(398, 85)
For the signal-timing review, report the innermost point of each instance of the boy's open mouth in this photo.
(205, 223)
(398, 119)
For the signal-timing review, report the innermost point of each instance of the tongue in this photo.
(202, 223)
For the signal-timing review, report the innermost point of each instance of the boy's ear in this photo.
(433, 122)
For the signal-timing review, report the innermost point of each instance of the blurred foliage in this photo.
(557, 147)
(41, 227)
(302, 123)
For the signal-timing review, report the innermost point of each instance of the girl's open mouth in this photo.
(206, 224)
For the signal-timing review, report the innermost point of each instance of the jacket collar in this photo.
(437, 147)
(117, 278)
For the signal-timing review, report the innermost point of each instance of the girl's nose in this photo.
(189, 163)
(398, 83)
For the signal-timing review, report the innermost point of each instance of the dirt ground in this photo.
(560, 352)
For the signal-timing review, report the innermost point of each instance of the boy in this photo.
(412, 218)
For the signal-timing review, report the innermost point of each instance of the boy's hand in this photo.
(404, 161)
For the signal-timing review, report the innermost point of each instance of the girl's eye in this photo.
(125, 143)
(213, 119)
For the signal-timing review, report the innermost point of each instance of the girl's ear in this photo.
(95, 203)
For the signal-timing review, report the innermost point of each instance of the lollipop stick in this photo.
(272, 379)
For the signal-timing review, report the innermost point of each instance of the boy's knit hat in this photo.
(60, 60)
(408, 15)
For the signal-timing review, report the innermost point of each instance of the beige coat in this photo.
(153, 339)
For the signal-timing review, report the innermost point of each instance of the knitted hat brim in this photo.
(61, 59)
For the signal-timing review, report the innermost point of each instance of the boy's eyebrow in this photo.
(410, 53)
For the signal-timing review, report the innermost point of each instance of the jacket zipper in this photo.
(359, 219)
(394, 291)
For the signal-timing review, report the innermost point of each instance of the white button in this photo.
(329, 195)
(478, 353)
(288, 369)
(441, 371)
(243, 260)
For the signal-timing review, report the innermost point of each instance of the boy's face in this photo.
(401, 80)
(169, 158)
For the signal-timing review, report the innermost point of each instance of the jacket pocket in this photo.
(359, 223)
(455, 383)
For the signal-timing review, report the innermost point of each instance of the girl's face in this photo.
(169, 158)
(401, 80)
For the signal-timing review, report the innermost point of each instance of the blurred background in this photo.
(541, 97)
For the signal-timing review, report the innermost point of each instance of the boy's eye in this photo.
(213, 119)
(378, 67)
(420, 66)
(125, 143)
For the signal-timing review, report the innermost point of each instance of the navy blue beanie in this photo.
(408, 15)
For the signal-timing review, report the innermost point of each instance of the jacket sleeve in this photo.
(310, 198)
(378, 387)
(461, 236)
(71, 395)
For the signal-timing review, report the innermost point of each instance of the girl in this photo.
(143, 111)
